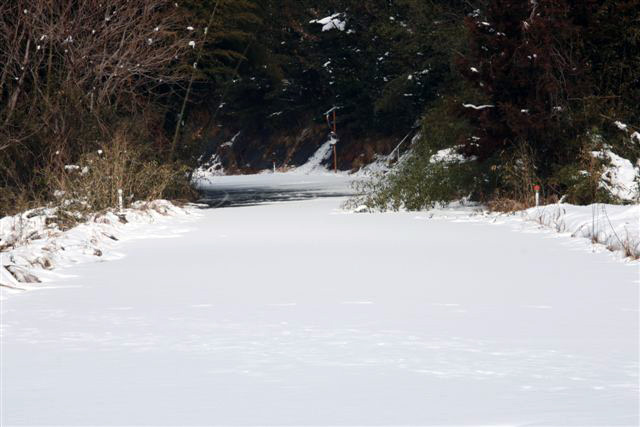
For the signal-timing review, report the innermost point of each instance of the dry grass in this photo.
(92, 184)
(506, 205)
(13, 200)
(518, 176)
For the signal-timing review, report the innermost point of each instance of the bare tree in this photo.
(72, 71)
(99, 53)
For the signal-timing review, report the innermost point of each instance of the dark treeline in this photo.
(527, 88)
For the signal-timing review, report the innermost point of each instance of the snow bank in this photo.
(384, 163)
(614, 226)
(315, 162)
(208, 170)
(380, 165)
(212, 167)
(34, 243)
(620, 177)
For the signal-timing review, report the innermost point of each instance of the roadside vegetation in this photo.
(83, 91)
(545, 94)
(103, 95)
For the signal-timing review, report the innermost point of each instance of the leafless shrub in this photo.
(519, 176)
(93, 183)
(69, 71)
(506, 205)
(109, 52)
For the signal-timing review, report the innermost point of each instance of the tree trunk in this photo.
(14, 96)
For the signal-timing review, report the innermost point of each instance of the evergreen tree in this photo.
(612, 42)
(382, 68)
(526, 59)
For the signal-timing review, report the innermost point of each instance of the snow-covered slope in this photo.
(316, 162)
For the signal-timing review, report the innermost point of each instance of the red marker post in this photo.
(536, 188)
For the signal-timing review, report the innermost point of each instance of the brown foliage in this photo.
(71, 70)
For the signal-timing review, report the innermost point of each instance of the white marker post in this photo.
(536, 188)
(120, 204)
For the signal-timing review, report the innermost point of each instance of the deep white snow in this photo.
(299, 313)
(34, 246)
(620, 178)
(611, 227)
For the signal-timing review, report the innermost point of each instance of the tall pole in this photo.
(335, 151)
(333, 128)
(334, 122)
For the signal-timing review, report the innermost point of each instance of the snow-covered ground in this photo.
(298, 313)
(611, 227)
(34, 245)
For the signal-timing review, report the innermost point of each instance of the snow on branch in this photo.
(478, 107)
(112, 51)
(336, 21)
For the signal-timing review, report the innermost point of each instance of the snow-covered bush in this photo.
(434, 172)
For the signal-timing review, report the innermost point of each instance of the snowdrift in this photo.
(33, 242)
(614, 226)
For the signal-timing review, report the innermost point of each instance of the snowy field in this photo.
(291, 311)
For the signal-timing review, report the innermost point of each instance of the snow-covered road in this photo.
(298, 313)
